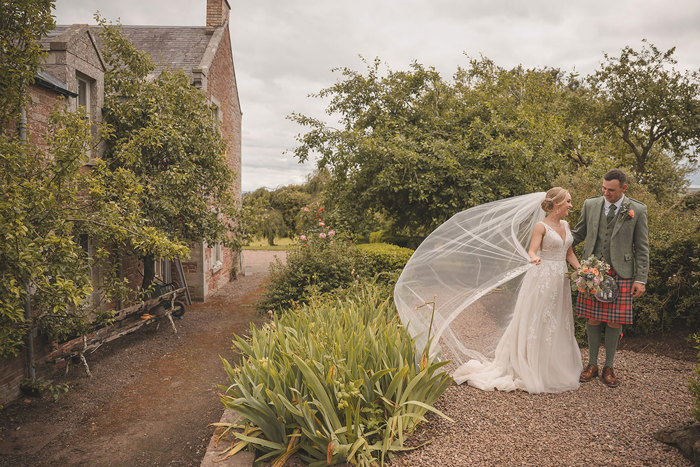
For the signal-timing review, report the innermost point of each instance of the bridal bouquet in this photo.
(591, 278)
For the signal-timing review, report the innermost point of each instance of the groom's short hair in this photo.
(616, 174)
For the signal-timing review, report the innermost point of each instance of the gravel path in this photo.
(153, 393)
(594, 425)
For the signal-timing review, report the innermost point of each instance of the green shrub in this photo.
(42, 387)
(377, 237)
(695, 382)
(580, 328)
(320, 265)
(317, 265)
(383, 257)
(673, 287)
(333, 381)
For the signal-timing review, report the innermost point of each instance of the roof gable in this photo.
(64, 38)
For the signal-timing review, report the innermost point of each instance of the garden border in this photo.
(212, 457)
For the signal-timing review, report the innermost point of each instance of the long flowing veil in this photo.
(460, 286)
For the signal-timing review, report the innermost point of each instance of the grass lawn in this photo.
(261, 244)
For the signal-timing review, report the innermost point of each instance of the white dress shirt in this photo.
(617, 205)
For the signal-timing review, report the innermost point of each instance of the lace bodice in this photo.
(553, 247)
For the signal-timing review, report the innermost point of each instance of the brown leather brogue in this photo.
(609, 377)
(588, 373)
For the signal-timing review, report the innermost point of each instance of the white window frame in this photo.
(85, 93)
(217, 257)
(163, 270)
(84, 85)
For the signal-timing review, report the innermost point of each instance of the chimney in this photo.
(217, 14)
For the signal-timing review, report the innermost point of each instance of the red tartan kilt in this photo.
(619, 311)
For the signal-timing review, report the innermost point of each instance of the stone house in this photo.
(73, 73)
(205, 55)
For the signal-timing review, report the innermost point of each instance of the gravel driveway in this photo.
(594, 425)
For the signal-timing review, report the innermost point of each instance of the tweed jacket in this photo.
(629, 242)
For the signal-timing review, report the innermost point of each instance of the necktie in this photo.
(611, 213)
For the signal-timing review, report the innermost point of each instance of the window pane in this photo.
(82, 93)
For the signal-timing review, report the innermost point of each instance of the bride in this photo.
(472, 294)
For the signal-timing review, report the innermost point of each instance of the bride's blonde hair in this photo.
(553, 197)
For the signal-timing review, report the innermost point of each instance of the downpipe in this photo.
(29, 339)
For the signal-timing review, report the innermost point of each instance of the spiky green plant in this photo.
(694, 382)
(336, 380)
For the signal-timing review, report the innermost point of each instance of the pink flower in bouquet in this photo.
(332, 242)
(321, 223)
(331, 233)
(302, 238)
(322, 235)
(305, 209)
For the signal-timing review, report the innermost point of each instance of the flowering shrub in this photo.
(310, 220)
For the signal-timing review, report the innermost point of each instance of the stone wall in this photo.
(73, 55)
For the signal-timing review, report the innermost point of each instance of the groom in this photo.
(614, 228)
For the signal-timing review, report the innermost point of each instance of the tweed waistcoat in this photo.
(602, 244)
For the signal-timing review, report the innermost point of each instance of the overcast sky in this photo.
(285, 49)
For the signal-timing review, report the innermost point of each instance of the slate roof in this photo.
(49, 81)
(175, 46)
(46, 40)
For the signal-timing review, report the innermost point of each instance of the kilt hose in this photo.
(619, 311)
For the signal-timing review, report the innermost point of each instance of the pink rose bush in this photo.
(316, 232)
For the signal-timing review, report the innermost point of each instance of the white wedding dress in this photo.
(538, 351)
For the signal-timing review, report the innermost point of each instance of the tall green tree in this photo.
(163, 131)
(49, 207)
(22, 24)
(289, 200)
(416, 148)
(276, 212)
(50, 204)
(654, 109)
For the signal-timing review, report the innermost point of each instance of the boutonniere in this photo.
(626, 211)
